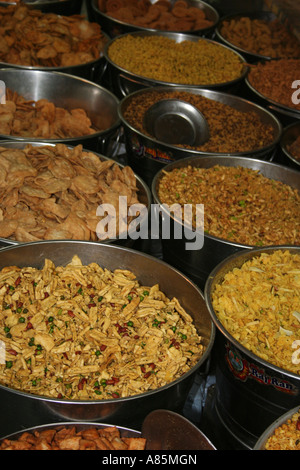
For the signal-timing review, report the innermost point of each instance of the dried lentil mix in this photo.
(162, 58)
(230, 130)
(85, 332)
(267, 38)
(240, 204)
(294, 148)
(274, 78)
(286, 436)
(259, 305)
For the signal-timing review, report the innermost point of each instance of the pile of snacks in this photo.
(42, 119)
(161, 15)
(85, 332)
(68, 438)
(53, 192)
(267, 38)
(294, 148)
(159, 57)
(286, 436)
(32, 38)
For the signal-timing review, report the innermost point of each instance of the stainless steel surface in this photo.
(17, 407)
(289, 135)
(114, 27)
(126, 82)
(148, 155)
(69, 92)
(167, 430)
(197, 264)
(144, 195)
(250, 391)
(176, 122)
(261, 443)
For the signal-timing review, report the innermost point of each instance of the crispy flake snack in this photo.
(30, 37)
(85, 332)
(42, 119)
(53, 192)
(68, 438)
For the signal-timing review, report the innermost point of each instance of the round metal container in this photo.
(143, 192)
(259, 15)
(261, 443)
(60, 7)
(125, 82)
(289, 135)
(250, 392)
(18, 407)
(198, 264)
(69, 92)
(148, 155)
(114, 27)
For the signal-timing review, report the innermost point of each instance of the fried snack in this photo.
(32, 38)
(161, 15)
(53, 192)
(68, 438)
(85, 332)
(42, 119)
(294, 148)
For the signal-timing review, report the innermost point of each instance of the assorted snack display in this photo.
(80, 332)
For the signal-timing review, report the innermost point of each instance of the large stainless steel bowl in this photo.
(125, 82)
(17, 407)
(144, 196)
(250, 392)
(148, 155)
(261, 443)
(69, 92)
(114, 27)
(197, 264)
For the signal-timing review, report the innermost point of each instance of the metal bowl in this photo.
(250, 392)
(289, 135)
(18, 407)
(197, 264)
(261, 443)
(69, 92)
(114, 27)
(144, 196)
(60, 7)
(258, 15)
(147, 155)
(126, 82)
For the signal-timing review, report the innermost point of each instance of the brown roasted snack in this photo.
(32, 38)
(53, 192)
(69, 438)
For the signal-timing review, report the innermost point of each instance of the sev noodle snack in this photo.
(84, 332)
(259, 305)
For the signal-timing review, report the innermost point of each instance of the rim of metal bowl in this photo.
(252, 15)
(261, 442)
(190, 160)
(179, 37)
(202, 92)
(11, 143)
(68, 76)
(159, 262)
(141, 28)
(283, 143)
(230, 263)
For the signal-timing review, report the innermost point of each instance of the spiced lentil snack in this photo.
(259, 305)
(286, 436)
(84, 332)
(240, 204)
(230, 130)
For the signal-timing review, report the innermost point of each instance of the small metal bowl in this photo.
(176, 122)
(69, 92)
(261, 443)
(125, 82)
(114, 27)
(289, 135)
